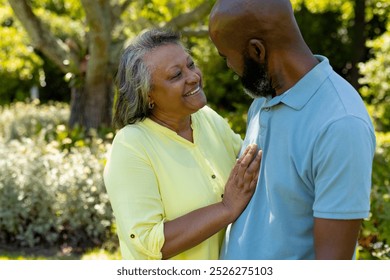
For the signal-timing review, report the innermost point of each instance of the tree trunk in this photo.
(98, 104)
(358, 42)
(75, 106)
(90, 110)
(91, 100)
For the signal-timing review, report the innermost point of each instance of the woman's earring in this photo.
(151, 106)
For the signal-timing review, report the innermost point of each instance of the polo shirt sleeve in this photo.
(342, 166)
(133, 191)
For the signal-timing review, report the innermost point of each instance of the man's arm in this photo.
(335, 239)
(342, 165)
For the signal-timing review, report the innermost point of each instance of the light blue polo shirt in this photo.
(318, 144)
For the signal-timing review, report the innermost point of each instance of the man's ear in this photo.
(256, 50)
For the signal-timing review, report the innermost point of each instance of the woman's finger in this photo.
(247, 156)
(253, 168)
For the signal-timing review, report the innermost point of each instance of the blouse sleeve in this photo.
(231, 139)
(133, 191)
(236, 141)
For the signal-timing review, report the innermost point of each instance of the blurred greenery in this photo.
(54, 172)
(376, 91)
(376, 81)
(19, 64)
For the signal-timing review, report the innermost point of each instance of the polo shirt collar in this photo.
(298, 96)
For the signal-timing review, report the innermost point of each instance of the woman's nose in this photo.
(193, 77)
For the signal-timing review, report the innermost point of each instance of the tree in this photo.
(19, 65)
(339, 29)
(87, 46)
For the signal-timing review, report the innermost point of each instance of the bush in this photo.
(376, 230)
(51, 187)
(21, 120)
(375, 79)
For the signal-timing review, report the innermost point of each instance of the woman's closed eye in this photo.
(176, 75)
(191, 65)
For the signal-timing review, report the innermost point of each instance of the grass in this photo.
(100, 254)
(65, 253)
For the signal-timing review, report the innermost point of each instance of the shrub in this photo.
(22, 120)
(376, 81)
(376, 230)
(50, 193)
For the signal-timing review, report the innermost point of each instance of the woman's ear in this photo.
(256, 50)
(150, 103)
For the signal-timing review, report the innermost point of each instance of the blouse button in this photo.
(132, 235)
(213, 176)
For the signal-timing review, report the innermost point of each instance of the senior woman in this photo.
(172, 175)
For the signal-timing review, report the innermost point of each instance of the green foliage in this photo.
(164, 10)
(334, 42)
(376, 81)
(19, 65)
(376, 230)
(64, 18)
(237, 118)
(376, 91)
(154, 13)
(328, 27)
(51, 186)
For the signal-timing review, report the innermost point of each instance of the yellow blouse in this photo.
(154, 175)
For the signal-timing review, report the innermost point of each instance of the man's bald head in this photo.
(238, 21)
(261, 33)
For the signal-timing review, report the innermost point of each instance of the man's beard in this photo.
(255, 79)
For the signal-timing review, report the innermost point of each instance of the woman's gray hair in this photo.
(134, 79)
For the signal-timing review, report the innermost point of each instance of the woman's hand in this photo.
(193, 228)
(242, 182)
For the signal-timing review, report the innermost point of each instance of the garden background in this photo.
(57, 67)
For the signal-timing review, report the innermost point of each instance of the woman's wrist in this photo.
(228, 213)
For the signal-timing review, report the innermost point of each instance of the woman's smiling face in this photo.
(176, 82)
